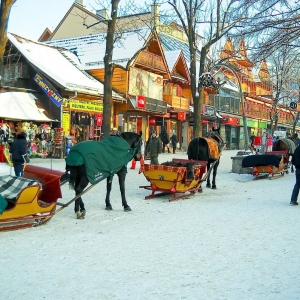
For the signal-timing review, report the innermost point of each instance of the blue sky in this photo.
(29, 18)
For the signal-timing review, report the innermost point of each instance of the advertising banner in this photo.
(49, 90)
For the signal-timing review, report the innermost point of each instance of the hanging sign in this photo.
(141, 101)
(152, 121)
(181, 116)
(49, 90)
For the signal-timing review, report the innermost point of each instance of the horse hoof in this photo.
(79, 215)
(127, 208)
(292, 171)
(108, 208)
(208, 185)
(214, 188)
(83, 213)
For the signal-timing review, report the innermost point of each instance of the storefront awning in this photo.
(20, 106)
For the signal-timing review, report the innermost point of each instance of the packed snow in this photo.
(237, 242)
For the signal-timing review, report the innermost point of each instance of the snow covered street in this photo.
(237, 242)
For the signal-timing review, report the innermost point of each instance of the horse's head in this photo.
(135, 142)
(215, 134)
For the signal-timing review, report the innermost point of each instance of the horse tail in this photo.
(73, 175)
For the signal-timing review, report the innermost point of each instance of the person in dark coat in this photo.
(296, 163)
(174, 141)
(154, 148)
(17, 149)
(165, 140)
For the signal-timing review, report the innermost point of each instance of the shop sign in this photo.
(255, 123)
(66, 122)
(152, 121)
(141, 101)
(156, 105)
(181, 115)
(230, 121)
(86, 106)
(49, 90)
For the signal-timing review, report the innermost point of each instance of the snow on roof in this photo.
(59, 64)
(171, 58)
(21, 106)
(230, 86)
(90, 49)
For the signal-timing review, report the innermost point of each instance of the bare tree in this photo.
(5, 8)
(284, 74)
(215, 20)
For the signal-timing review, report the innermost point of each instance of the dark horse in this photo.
(207, 149)
(79, 174)
(286, 144)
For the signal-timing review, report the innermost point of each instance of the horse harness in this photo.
(215, 146)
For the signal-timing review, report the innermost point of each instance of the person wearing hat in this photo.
(18, 149)
(154, 148)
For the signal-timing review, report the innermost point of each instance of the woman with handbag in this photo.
(18, 150)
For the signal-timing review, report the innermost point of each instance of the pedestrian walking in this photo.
(154, 148)
(174, 142)
(165, 140)
(296, 163)
(18, 150)
(269, 143)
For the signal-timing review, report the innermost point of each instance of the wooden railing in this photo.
(177, 102)
(151, 60)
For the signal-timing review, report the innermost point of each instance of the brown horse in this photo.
(208, 149)
(286, 144)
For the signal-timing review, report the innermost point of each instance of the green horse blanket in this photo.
(101, 159)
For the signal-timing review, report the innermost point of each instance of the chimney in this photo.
(155, 12)
(103, 13)
(80, 2)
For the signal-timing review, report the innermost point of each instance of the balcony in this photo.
(177, 102)
(151, 61)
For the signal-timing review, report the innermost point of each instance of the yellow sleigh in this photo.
(35, 203)
(166, 180)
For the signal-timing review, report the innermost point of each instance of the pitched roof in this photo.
(90, 49)
(171, 43)
(59, 64)
(177, 65)
(171, 58)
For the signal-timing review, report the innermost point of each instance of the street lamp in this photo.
(241, 98)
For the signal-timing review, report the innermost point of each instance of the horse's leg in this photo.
(208, 178)
(215, 168)
(79, 188)
(108, 190)
(122, 176)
